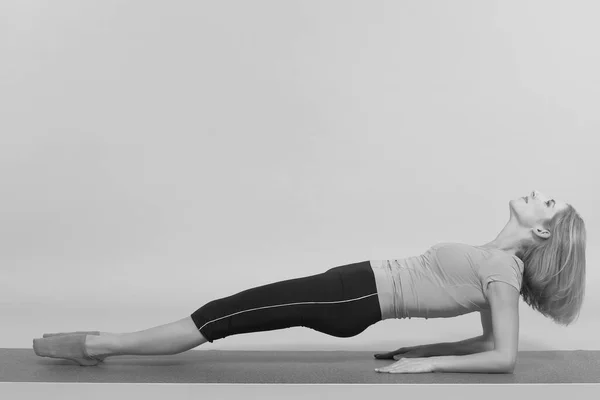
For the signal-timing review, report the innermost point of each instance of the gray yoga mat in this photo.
(218, 366)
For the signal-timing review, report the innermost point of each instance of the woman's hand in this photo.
(408, 366)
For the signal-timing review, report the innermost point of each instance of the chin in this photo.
(513, 207)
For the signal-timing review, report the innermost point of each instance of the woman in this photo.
(539, 254)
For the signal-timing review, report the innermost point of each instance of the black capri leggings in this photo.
(340, 302)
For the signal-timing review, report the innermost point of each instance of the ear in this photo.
(541, 232)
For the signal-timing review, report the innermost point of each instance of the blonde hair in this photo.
(554, 275)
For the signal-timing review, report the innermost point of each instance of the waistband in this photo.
(386, 290)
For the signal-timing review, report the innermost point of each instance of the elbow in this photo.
(509, 369)
(506, 363)
(509, 365)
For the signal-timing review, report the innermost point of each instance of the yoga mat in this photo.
(346, 367)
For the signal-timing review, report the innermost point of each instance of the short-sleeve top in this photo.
(448, 280)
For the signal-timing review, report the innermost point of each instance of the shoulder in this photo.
(503, 270)
(519, 263)
(503, 261)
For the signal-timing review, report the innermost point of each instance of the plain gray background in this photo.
(156, 155)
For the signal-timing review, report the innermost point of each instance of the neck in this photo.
(512, 239)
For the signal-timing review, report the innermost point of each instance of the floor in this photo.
(290, 367)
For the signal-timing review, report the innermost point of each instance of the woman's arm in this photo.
(472, 345)
(504, 306)
(487, 362)
(476, 344)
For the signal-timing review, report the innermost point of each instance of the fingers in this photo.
(407, 366)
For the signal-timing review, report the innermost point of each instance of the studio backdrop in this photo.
(157, 155)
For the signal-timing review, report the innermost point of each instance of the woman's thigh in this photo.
(341, 301)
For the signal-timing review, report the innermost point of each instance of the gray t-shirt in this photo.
(447, 280)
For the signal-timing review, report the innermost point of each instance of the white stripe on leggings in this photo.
(290, 304)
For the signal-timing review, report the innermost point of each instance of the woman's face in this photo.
(536, 208)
